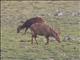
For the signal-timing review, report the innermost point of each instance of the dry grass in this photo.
(12, 12)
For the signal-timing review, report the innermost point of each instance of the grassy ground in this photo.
(12, 12)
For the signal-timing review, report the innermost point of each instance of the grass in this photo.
(12, 12)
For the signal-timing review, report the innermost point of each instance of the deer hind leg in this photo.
(47, 40)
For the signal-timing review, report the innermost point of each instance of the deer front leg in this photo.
(47, 41)
(36, 40)
(32, 39)
(25, 32)
(34, 36)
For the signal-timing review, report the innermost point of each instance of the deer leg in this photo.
(34, 37)
(47, 41)
(36, 40)
(32, 40)
(25, 32)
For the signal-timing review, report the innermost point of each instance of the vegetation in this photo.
(18, 46)
(40, 0)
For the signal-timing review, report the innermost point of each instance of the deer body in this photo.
(43, 30)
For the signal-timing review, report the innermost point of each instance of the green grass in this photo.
(12, 12)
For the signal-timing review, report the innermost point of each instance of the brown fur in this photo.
(43, 30)
(28, 23)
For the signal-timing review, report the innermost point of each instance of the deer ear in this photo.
(21, 21)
